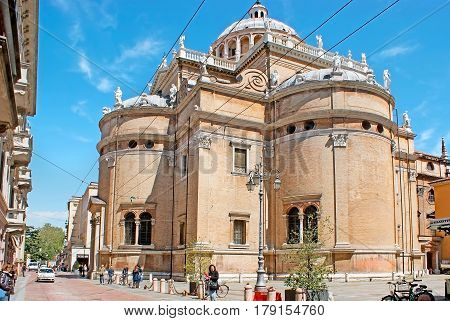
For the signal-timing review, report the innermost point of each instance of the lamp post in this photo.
(258, 175)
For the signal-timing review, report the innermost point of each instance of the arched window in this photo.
(256, 14)
(293, 226)
(145, 229)
(262, 14)
(431, 196)
(130, 229)
(310, 226)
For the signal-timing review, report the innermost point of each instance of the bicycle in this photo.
(409, 291)
(222, 290)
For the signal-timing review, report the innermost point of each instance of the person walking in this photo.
(213, 282)
(102, 274)
(125, 275)
(80, 270)
(136, 277)
(110, 275)
(24, 268)
(6, 283)
(85, 269)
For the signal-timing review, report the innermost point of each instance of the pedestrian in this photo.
(85, 269)
(141, 275)
(136, 277)
(102, 274)
(110, 275)
(80, 269)
(6, 283)
(213, 282)
(13, 271)
(125, 275)
(24, 268)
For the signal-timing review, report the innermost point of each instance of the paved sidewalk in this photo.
(19, 289)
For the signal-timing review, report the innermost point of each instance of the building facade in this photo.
(175, 161)
(18, 74)
(79, 236)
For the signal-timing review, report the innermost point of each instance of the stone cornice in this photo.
(137, 111)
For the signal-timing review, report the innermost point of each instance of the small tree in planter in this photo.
(198, 259)
(311, 265)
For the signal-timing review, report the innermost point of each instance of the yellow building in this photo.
(442, 220)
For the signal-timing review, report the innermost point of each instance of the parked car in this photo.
(33, 266)
(46, 274)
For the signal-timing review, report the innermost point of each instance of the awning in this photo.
(442, 224)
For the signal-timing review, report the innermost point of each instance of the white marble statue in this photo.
(319, 41)
(349, 55)
(363, 59)
(181, 41)
(267, 25)
(173, 94)
(210, 51)
(299, 79)
(406, 120)
(337, 63)
(106, 110)
(118, 96)
(274, 78)
(149, 85)
(203, 63)
(164, 63)
(174, 53)
(370, 76)
(387, 79)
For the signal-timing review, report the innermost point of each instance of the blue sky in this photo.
(87, 48)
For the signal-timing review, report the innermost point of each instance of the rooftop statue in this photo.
(106, 110)
(387, 79)
(337, 63)
(118, 96)
(267, 25)
(363, 59)
(181, 41)
(274, 78)
(319, 41)
(406, 121)
(173, 94)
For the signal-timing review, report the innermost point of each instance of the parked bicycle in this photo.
(408, 291)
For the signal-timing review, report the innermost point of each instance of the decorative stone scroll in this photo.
(252, 79)
(339, 140)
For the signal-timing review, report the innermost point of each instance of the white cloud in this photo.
(80, 109)
(397, 51)
(104, 85)
(39, 218)
(76, 34)
(425, 136)
(142, 48)
(62, 5)
(85, 67)
(82, 139)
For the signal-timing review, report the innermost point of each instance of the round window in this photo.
(430, 166)
(149, 144)
(366, 125)
(132, 144)
(380, 128)
(310, 124)
(291, 129)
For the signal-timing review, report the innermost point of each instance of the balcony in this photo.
(23, 177)
(16, 217)
(23, 144)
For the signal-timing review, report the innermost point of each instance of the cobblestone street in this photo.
(70, 287)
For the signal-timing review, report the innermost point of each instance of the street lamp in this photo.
(254, 178)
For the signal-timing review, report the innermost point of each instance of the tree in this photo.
(51, 241)
(311, 265)
(32, 243)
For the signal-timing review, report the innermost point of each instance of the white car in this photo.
(33, 266)
(46, 274)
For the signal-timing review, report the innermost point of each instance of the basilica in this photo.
(175, 161)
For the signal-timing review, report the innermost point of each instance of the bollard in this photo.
(240, 278)
(171, 286)
(271, 294)
(116, 278)
(150, 277)
(162, 286)
(155, 285)
(346, 277)
(300, 295)
(201, 290)
(248, 293)
(330, 296)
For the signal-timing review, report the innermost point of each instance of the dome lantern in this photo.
(258, 11)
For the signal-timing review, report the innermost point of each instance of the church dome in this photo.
(326, 75)
(259, 19)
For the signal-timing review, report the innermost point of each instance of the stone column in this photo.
(122, 232)
(300, 217)
(136, 234)
(251, 41)
(225, 50)
(102, 228)
(238, 48)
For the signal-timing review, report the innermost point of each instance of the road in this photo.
(70, 287)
